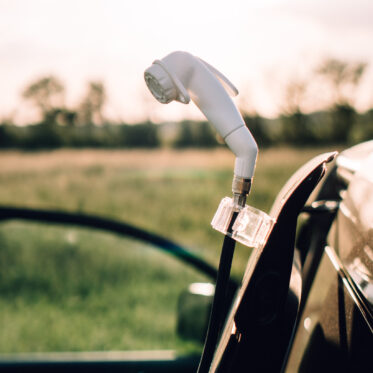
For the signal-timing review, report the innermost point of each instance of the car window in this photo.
(73, 289)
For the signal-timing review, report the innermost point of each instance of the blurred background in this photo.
(80, 132)
(298, 65)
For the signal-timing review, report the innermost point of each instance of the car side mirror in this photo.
(193, 311)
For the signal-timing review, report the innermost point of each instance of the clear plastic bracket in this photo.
(251, 227)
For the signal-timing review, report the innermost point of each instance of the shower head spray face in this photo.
(164, 84)
(181, 76)
(164, 93)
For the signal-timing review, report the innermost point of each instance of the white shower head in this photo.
(181, 76)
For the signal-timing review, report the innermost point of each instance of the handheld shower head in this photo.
(181, 76)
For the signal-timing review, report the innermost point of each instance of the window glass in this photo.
(72, 289)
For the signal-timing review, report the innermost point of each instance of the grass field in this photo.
(64, 288)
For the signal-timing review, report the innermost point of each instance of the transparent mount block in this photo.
(251, 227)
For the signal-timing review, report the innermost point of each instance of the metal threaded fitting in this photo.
(240, 188)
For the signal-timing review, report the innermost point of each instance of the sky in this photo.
(258, 44)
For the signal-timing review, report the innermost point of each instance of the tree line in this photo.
(86, 126)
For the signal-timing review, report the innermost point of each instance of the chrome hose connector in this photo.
(240, 188)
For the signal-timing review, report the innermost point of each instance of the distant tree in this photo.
(342, 79)
(90, 110)
(67, 117)
(142, 135)
(6, 138)
(295, 123)
(195, 135)
(47, 94)
(185, 137)
(254, 122)
(364, 130)
(296, 128)
(369, 129)
(205, 136)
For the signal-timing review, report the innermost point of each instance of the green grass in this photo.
(63, 288)
(71, 289)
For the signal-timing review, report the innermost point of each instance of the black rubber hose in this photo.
(221, 302)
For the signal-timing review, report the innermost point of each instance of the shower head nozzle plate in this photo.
(157, 90)
(164, 85)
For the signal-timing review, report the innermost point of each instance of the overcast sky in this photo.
(258, 44)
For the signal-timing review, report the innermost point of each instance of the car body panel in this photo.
(260, 327)
(335, 328)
